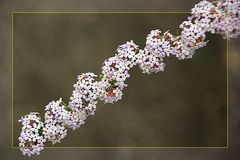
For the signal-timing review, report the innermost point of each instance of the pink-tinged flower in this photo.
(149, 63)
(31, 139)
(159, 44)
(127, 52)
(55, 116)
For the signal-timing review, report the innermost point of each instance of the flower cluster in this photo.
(76, 119)
(55, 116)
(85, 93)
(127, 52)
(192, 38)
(159, 44)
(115, 72)
(221, 17)
(31, 139)
(149, 63)
(113, 77)
(206, 15)
(192, 35)
(229, 23)
(83, 100)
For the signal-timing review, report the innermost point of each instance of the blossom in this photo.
(149, 62)
(114, 75)
(206, 15)
(182, 51)
(192, 35)
(127, 52)
(31, 139)
(85, 93)
(83, 100)
(222, 18)
(115, 69)
(109, 91)
(77, 118)
(229, 23)
(159, 44)
(55, 116)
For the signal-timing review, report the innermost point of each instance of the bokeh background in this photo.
(183, 107)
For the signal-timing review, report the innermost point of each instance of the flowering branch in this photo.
(219, 17)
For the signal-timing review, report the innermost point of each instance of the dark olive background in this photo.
(183, 106)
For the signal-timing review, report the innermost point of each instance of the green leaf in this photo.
(67, 108)
(112, 82)
(100, 76)
(178, 32)
(39, 117)
(40, 131)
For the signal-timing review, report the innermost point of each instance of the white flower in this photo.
(85, 93)
(127, 52)
(83, 100)
(77, 118)
(221, 19)
(229, 23)
(149, 63)
(192, 36)
(159, 44)
(31, 139)
(109, 92)
(182, 51)
(206, 16)
(55, 116)
(115, 69)
(114, 75)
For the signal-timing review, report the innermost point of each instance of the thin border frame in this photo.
(118, 147)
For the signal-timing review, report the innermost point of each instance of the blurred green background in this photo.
(183, 106)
